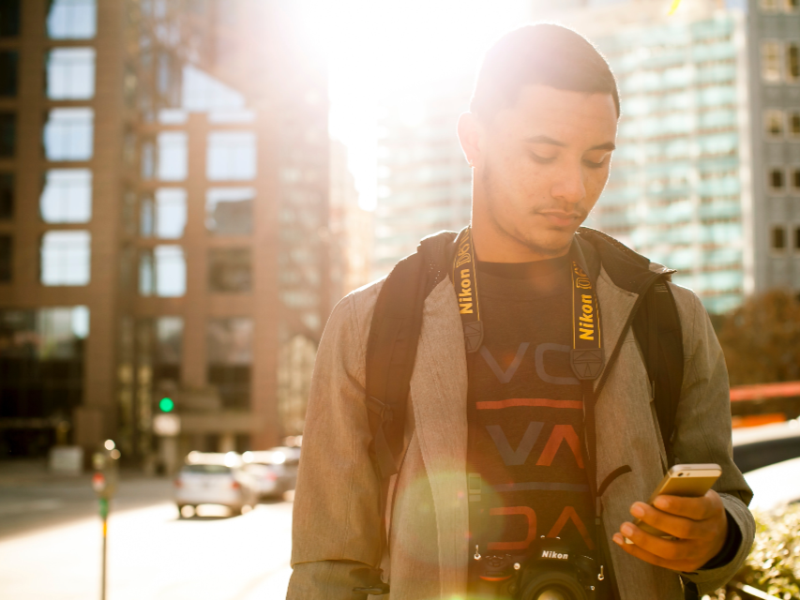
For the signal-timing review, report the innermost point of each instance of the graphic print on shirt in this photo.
(526, 420)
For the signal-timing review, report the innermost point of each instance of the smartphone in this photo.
(688, 481)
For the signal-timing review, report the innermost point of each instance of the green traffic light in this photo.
(166, 405)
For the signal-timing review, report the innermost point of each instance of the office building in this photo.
(164, 173)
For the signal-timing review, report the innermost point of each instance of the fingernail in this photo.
(637, 511)
(617, 539)
(627, 530)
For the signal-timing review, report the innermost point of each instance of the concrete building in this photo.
(424, 182)
(164, 178)
(773, 34)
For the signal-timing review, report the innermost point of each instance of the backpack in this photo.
(392, 346)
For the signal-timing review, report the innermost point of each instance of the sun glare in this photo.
(380, 52)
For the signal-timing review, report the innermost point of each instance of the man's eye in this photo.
(594, 165)
(542, 160)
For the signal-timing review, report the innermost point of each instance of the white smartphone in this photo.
(688, 481)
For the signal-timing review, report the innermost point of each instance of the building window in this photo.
(65, 258)
(9, 61)
(231, 155)
(70, 73)
(229, 270)
(8, 134)
(778, 239)
(773, 123)
(67, 196)
(797, 238)
(169, 214)
(5, 258)
(795, 180)
(771, 62)
(769, 5)
(6, 196)
(794, 125)
(72, 19)
(230, 357)
(792, 5)
(229, 211)
(68, 134)
(172, 156)
(776, 180)
(792, 62)
(162, 272)
(9, 18)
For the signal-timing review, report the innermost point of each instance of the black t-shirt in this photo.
(525, 414)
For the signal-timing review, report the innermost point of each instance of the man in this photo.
(497, 452)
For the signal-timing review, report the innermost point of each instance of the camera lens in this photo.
(680, 474)
(551, 595)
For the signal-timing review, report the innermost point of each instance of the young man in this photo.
(501, 456)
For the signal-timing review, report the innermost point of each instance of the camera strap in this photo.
(587, 356)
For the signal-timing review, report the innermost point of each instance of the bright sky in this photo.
(375, 46)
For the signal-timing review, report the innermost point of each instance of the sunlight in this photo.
(379, 51)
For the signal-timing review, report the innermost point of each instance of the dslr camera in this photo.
(551, 572)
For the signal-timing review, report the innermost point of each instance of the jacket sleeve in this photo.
(703, 432)
(336, 528)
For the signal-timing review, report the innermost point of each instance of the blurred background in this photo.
(187, 188)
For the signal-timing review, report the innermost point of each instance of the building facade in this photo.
(159, 222)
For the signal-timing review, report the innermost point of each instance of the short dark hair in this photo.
(544, 54)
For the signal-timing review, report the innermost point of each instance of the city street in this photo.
(50, 544)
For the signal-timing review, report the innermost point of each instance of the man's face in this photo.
(543, 163)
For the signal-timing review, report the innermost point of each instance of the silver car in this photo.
(275, 470)
(212, 480)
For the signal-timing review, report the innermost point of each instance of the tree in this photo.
(761, 339)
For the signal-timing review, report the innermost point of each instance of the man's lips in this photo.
(560, 218)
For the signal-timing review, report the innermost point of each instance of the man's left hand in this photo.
(700, 524)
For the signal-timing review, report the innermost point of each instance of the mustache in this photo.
(574, 212)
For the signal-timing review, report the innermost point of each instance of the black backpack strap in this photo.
(392, 346)
(657, 327)
(391, 352)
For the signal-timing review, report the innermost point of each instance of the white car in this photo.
(275, 470)
(215, 479)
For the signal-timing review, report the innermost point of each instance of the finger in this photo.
(697, 509)
(672, 550)
(649, 557)
(680, 527)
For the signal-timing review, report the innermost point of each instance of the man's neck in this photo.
(493, 245)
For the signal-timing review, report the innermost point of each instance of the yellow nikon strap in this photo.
(465, 281)
(587, 356)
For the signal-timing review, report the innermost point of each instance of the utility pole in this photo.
(104, 482)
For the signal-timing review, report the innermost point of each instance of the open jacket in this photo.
(337, 525)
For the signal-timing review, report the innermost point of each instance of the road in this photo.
(50, 545)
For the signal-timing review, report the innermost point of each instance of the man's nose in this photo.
(568, 185)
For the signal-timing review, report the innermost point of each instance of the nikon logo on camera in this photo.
(552, 554)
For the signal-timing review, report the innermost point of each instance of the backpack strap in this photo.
(657, 328)
(391, 352)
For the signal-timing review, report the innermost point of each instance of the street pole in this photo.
(104, 482)
(104, 516)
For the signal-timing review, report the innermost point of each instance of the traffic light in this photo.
(166, 405)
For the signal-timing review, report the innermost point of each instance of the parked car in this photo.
(275, 470)
(215, 478)
(756, 447)
(775, 486)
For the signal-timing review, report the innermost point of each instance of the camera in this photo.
(550, 572)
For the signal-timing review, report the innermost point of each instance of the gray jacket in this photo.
(336, 521)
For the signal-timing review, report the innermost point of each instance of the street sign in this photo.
(167, 424)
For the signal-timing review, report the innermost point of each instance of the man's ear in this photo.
(469, 135)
